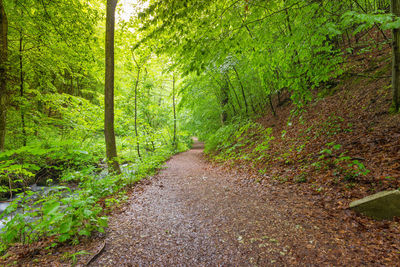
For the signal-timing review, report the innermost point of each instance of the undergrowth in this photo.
(74, 205)
(228, 142)
(251, 143)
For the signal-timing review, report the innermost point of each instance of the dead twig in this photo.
(96, 254)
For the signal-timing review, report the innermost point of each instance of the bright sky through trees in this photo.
(126, 9)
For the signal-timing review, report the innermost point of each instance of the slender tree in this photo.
(174, 144)
(111, 148)
(224, 102)
(3, 74)
(138, 67)
(21, 88)
(396, 58)
(243, 94)
(234, 91)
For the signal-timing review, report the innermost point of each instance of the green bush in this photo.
(229, 139)
(66, 213)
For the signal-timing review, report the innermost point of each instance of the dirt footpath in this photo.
(193, 214)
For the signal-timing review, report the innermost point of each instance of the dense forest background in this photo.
(266, 84)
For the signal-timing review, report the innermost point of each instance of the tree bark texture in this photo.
(136, 109)
(21, 88)
(174, 144)
(111, 148)
(3, 74)
(395, 8)
(224, 102)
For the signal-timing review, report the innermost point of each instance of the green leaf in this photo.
(337, 147)
(65, 227)
(84, 232)
(64, 237)
(103, 221)
(50, 207)
(87, 212)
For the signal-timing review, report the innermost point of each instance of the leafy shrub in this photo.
(21, 167)
(229, 139)
(349, 168)
(221, 138)
(67, 214)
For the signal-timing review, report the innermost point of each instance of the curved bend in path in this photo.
(192, 214)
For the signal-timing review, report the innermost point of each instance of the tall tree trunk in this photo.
(136, 96)
(71, 83)
(396, 58)
(243, 94)
(111, 148)
(3, 74)
(21, 91)
(271, 105)
(174, 144)
(224, 102)
(234, 91)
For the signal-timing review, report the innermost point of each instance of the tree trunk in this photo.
(243, 94)
(21, 91)
(3, 74)
(174, 144)
(224, 102)
(111, 148)
(234, 91)
(271, 105)
(136, 96)
(396, 59)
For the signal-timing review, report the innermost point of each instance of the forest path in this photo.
(195, 214)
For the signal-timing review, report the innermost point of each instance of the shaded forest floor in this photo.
(194, 213)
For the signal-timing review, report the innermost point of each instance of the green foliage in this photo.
(234, 61)
(20, 168)
(302, 178)
(222, 138)
(73, 256)
(55, 121)
(367, 21)
(333, 156)
(235, 66)
(230, 139)
(69, 214)
(57, 213)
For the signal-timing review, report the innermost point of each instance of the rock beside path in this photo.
(381, 206)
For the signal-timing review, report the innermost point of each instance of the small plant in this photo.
(328, 151)
(350, 169)
(73, 256)
(300, 148)
(262, 171)
(331, 126)
(319, 189)
(354, 170)
(281, 179)
(302, 178)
